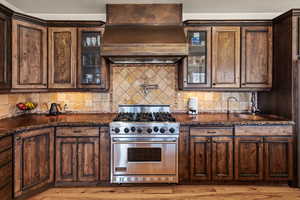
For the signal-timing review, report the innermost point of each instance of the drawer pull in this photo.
(211, 132)
(18, 138)
(77, 131)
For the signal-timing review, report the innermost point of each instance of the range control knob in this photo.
(140, 130)
(149, 130)
(162, 130)
(126, 130)
(155, 129)
(133, 129)
(117, 130)
(172, 130)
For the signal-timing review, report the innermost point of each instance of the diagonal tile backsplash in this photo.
(127, 81)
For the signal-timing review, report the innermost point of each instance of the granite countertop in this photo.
(26, 122)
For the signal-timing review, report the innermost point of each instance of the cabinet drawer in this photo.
(264, 130)
(5, 143)
(211, 131)
(77, 131)
(5, 156)
(5, 173)
(6, 191)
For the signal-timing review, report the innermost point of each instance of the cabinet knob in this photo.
(243, 83)
(214, 83)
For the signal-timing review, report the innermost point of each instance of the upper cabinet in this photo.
(92, 71)
(29, 55)
(62, 44)
(226, 57)
(197, 66)
(5, 35)
(257, 57)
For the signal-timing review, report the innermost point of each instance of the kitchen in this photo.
(148, 99)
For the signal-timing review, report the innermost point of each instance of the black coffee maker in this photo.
(54, 109)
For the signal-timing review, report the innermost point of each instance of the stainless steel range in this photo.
(144, 145)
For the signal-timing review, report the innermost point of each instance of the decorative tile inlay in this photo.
(127, 81)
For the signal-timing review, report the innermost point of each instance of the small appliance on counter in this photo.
(193, 106)
(55, 109)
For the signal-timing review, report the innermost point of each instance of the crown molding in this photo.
(186, 16)
(230, 16)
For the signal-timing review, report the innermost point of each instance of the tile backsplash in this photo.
(126, 88)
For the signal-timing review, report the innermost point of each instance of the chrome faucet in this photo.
(228, 100)
(254, 107)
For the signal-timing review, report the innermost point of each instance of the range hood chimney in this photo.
(144, 33)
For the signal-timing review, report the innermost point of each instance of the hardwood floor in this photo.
(182, 192)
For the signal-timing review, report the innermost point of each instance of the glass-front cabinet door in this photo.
(197, 66)
(92, 71)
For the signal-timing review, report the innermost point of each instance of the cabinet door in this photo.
(222, 158)
(256, 57)
(248, 158)
(92, 68)
(88, 159)
(6, 168)
(278, 153)
(66, 160)
(34, 160)
(5, 38)
(196, 69)
(62, 57)
(226, 57)
(200, 156)
(29, 55)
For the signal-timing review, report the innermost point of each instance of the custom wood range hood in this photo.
(144, 33)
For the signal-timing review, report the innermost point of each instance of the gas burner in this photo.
(164, 117)
(144, 117)
(125, 117)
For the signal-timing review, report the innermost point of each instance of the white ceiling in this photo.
(197, 7)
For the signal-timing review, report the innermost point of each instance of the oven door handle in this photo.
(143, 140)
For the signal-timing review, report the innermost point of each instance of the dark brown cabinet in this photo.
(256, 68)
(92, 68)
(264, 153)
(6, 168)
(66, 160)
(29, 55)
(278, 154)
(5, 46)
(200, 151)
(34, 160)
(222, 158)
(226, 57)
(196, 68)
(249, 158)
(211, 154)
(62, 47)
(77, 155)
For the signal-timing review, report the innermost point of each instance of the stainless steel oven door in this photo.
(147, 156)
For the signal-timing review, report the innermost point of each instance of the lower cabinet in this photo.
(211, 155)
(249, 158)
(6, 168)
(77, 156)
(264, 153)
(34, 160)
(278, 157)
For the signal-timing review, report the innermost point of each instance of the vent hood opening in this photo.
(144, 33)
(144, 60)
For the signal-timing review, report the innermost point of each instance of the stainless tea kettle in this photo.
(55, 109)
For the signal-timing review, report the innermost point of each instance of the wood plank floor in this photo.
(181, 192)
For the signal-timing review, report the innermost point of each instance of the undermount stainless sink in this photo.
(250, 117)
